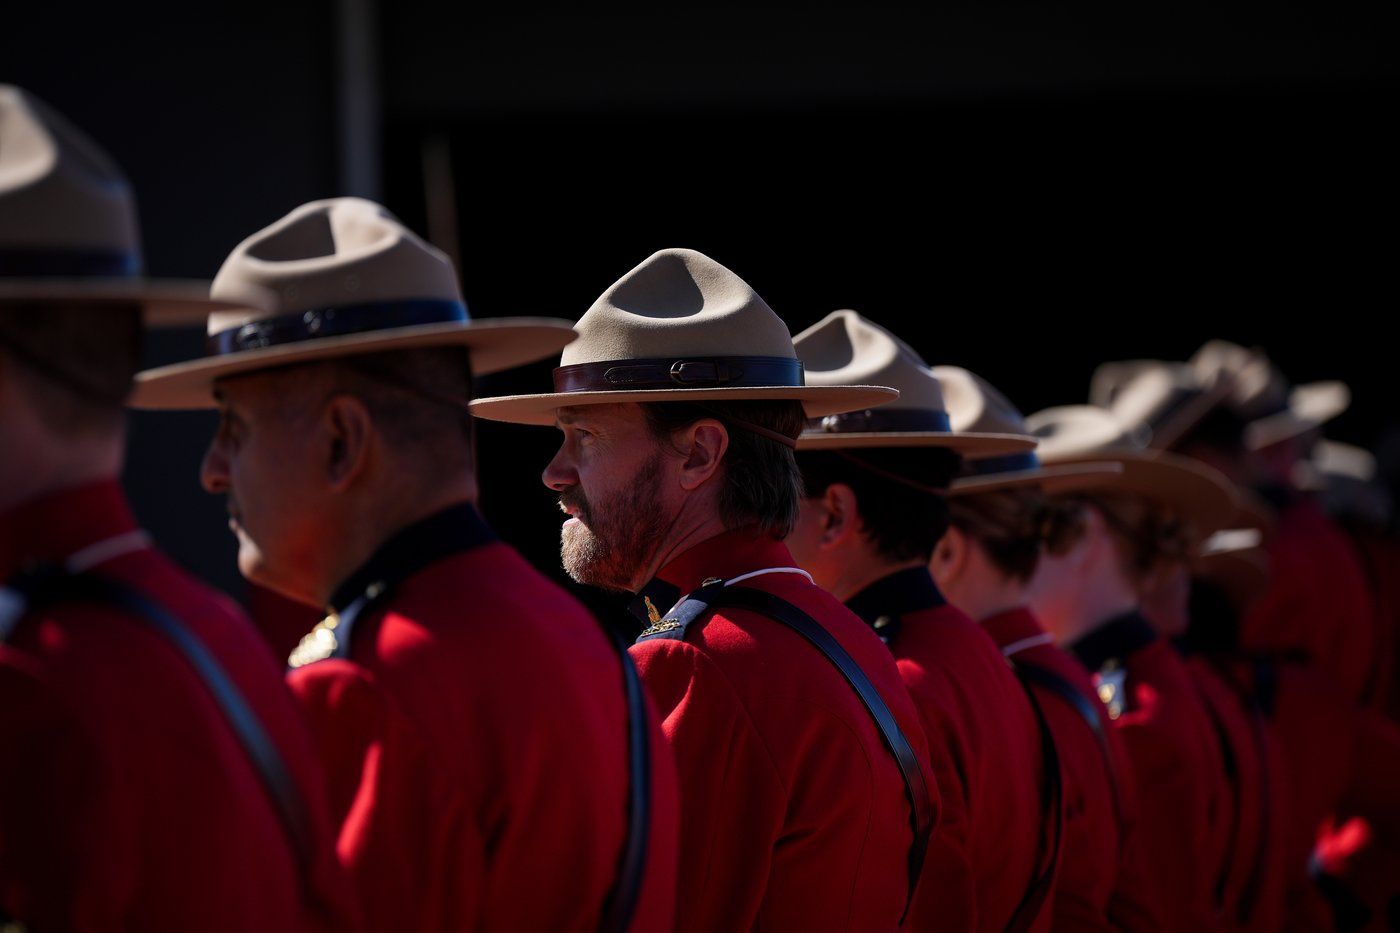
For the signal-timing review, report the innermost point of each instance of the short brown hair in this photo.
(761, 485)
(1148, 532)
(1012, 525)
(77, 360)
(414, 397)
(903, 520)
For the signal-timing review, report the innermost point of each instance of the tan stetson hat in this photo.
(1346, 477)
(975, 405)
(680, 327)
(844, 347)
(1198, 494)
(68, 230)
(1169, 399)
(345, 277)
(1261, 395)
(1235, 560)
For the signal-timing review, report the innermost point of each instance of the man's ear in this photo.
(950, 555)
(350, 435)
(704, 442)
(842, 512)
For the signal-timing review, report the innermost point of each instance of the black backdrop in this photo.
(1020, 189)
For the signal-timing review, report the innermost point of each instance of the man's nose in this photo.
(560, 474)
(213, 469)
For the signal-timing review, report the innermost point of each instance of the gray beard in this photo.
(615, 539)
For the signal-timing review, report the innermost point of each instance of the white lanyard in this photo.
(758, 573)
(1016, 647)
(748, 576)
(13, 606)
(117, 546)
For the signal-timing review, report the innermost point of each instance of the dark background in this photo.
(1023, 189)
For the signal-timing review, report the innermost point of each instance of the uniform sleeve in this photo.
(734, 801)
(1135, 903)
(1170, 823)
(408, 836)
(1376, 775)
(66, 851)
(946, 897)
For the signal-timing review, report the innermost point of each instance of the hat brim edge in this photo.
(495, 344)
(817, 401)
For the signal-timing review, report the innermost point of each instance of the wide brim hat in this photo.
(68, 224)
(336, 278)
(1262, 396)
(1235, 560)
(1077, 435)
(1167, 399)
(846, 347)
(680, 327)
(1310, 406)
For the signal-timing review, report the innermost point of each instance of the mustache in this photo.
(574, 501)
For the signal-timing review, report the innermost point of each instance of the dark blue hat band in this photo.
(342, 321)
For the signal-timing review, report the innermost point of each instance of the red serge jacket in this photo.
(795, 814)
(1318, 604)
(1175, 753)
(1104, 880)
(985, 748)
(1251, 878)
(473, 728)
(126, 800)
(1336, 757)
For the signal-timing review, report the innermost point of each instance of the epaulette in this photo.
(1111, 681)
(674, 625)
(330, 638)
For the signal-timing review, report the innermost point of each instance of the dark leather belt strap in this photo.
(622, 902)
(715, 595)
(1232, 774)
(696, 372)
(1088, 711)
(1052, 801)
(54, 587)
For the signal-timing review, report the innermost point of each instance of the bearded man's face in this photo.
(609, 472)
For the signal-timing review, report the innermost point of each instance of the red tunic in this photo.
(126, 801)
(1317, 605)
(1250, 880)
(795, 813)
(1104, 880)
(1337, 758)
(475, 743)
(1176, 761)
(985, 747)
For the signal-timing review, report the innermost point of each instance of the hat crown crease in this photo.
(678, 303)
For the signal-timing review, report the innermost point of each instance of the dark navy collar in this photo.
(898, 594)
(455, 529)
(658, 595)
(1115, 640)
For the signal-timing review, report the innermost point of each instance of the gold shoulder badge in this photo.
(317, 645)
(653, 614)
(1111, 682)
(666, 625)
